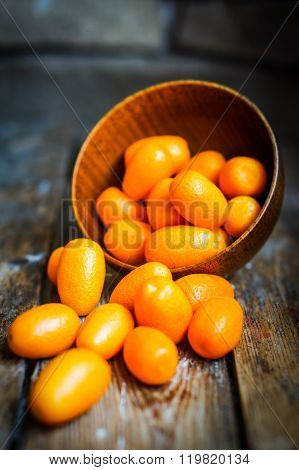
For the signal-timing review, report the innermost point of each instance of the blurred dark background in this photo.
(66, 62)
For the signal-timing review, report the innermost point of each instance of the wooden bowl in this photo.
(208, 116)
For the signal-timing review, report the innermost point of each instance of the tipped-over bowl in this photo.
(208, 116)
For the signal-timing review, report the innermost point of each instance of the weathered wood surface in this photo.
(208, 404)
(194, 411)
(29, 201)
(267, 360)
(129, 24)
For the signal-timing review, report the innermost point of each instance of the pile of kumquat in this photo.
(148, 313)
(176, 209)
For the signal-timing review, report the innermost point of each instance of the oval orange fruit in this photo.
(201, 287)
(216, 327)
(125, 240)
(241, 213)
(81, 275)
(209, 163)
(53, 264)
(125, 291)
(182, 245)
(161, 304)
(105, 330)
(176, 146)
(68, 386)
(198, 200)
(150, 355)
(149, 165)
(243, 176)
(43, 331)
(113, 205)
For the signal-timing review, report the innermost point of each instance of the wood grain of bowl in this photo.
(208, 116)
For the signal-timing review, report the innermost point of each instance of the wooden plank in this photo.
(94, 24)
(26, 222)
(267, 361)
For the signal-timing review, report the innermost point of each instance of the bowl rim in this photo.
(173, 83)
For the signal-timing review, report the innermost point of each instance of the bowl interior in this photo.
(207, 115)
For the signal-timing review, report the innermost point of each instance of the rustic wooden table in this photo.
(247, 400)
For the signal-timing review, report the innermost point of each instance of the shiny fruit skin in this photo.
(160, 210)
(216, 327)
(105, 330)
(150, 355)
(81, 275)
(223, 239)
(113, 205)
(125, 291)
(68, 386)
(182, 245)
(198, 200)
(43, 331)
(242, 212)
(243, 176)
(209, 163)
(131, 150)
(149, 165)
(53, 264)
(175, 145)
(125, 240)
(201, 287)
(161, 304)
